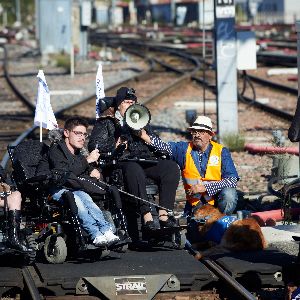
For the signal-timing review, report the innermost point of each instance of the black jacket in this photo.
(106, 132)
(68, 170)
(61, 160)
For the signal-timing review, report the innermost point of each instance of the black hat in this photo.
(125, 93)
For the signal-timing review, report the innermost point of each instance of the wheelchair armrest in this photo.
(38, 178)
(139, 160)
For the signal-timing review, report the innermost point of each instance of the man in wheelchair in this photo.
(11, 201)
(109, 132)
(70, 170)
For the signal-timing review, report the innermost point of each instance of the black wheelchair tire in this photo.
(104, 253)
(121, 249)
(30, 256)
(60, 251)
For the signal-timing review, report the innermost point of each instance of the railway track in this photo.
(149, 75)
(86, 107)
(209, 82)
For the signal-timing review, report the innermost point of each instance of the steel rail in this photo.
(267, 108)
(289, 60)
(24, 99)
(274, 85)
(33, 290)
(24, 135)
(221, 273)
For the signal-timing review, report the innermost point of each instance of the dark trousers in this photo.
(165, 174)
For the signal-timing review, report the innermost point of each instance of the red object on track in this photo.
(270, 217)
(293, 78)
(253, 148)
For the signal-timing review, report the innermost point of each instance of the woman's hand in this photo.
(144, 136)
(93, 156)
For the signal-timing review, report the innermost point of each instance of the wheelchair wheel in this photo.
(155, 243)
(179, 239)
(121, 249)
(30, 256)
(104, 253)
(57, 253)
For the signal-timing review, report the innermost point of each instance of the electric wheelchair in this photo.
(111, 170)
(56, 226)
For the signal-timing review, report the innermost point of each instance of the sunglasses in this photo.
(198, 132)
(79, 133)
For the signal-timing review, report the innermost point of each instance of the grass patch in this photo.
(63, 61)
(234, 141)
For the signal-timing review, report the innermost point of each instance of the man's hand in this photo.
(121, 141)
(197, 188)
(93, 156)
(95, 173)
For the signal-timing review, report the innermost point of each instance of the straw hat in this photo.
(202, 123)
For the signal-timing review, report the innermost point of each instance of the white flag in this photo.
(99, 89)
(44, 115)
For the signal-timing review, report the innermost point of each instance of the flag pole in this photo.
(41, 132)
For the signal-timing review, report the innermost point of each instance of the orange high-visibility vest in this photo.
(191, 176)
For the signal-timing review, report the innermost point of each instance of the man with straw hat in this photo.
(207, 169)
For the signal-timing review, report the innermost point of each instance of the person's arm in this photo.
(92, 160)
(155, 142)
(229, 175)
(213, 188)
(102, 136)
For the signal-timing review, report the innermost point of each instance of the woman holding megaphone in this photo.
(122, 125)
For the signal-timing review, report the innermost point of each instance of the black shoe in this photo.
(151, 226)
(169, 223)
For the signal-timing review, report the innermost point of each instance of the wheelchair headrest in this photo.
(26, 157)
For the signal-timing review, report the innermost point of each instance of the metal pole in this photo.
(37, 19)
(173, 12)
(72, 60)
(226, 71)
(18, 11)
(203, 54)
(298, 64)
(112, 13)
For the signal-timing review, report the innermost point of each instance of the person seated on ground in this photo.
(208, 171)
(109, 132)
(14, 200)
(66, 162)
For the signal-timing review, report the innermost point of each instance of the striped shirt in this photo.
(212, 188)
